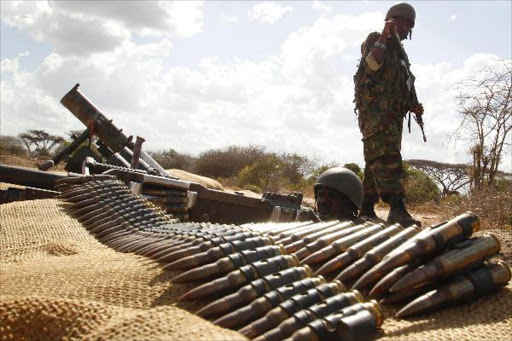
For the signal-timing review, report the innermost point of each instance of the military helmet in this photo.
(344, 181)
(403, 10)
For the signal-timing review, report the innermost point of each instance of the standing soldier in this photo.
(384, 94)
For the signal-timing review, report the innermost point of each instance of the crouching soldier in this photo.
(338, 194)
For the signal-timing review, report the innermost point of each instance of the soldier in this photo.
(384, 94)
(338, 194)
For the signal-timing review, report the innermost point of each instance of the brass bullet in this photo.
(311, 237)
(218, 252)
(463, 256)
(407, 295)
(303, 232)
(203, 246)
(437, 240)
(289, 307)
(375, 255)
(487, 278)
(228, 264)
(235, 279)
(357, 250)
(373, 275)
(328, 239)
(301, 318)
(386, 282)
(254, 290)
(341, 245)
(264, 304)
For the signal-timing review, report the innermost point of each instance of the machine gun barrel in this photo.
(98, 124)
(28, 177)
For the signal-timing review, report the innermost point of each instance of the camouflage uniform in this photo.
(382, 100)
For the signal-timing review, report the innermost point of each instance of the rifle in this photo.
(417, 117)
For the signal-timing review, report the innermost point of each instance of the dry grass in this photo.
(494, 208)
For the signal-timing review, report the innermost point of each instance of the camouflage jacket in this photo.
(385, 96)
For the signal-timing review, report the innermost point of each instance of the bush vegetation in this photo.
(12, 145)
(492, 204)
(419, 187)
(253, 168)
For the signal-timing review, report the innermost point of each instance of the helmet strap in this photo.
(410, 34)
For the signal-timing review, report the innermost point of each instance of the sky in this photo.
(194, 76)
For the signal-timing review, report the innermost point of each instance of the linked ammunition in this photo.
(374, 275)
(362, 325)
(203, 246)
(475, 283)
(228, 264)
(264, 304)
(468, 254)
(289, 307)
(311, 237)
(375, 255)
(245, 274)
(97, 213)
(218, 252)
(288, 232)
(255, 289)
(298, 235)
(435, 241)
(341, 245)
(357, 250)
(328, 239)
(301, 318)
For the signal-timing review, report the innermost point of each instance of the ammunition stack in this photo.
(275, 281)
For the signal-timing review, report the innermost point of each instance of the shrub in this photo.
(419, 187)
(354, 167)
(170, 159)
(491, 205)
(265, 174)
(217, 163)
(12, 145)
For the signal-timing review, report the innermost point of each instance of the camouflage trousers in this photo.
(383, 170)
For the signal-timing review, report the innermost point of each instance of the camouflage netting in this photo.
(58, 282)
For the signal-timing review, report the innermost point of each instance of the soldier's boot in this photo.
(398, 213)
(368, 209)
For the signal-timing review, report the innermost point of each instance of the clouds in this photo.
(269, 12)
(75, 28)
(320, 5)
(296, 99)
(9, 65)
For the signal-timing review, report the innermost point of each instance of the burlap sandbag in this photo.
(58, 283)
(202, 180)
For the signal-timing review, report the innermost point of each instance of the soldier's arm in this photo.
(377, 46)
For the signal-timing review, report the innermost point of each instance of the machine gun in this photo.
(127, 161)
(113, 144)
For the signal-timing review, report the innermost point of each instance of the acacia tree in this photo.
(39, 142)
(450, 177)
(485, 104)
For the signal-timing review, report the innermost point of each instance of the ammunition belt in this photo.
(131, 223)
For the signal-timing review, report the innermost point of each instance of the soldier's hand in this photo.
(418, 109)
(389, 28)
